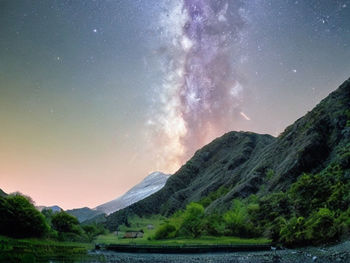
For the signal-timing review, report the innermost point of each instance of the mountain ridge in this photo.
(149, 185)
(249, 163)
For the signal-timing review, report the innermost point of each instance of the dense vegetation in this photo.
(314, 210)
(20, 219)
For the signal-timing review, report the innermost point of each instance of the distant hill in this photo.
(84, 213)
(151, 184)
(247, 163)
(100, 218)
(2, 193)
(54, 208)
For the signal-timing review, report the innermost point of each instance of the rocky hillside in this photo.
(248, 163)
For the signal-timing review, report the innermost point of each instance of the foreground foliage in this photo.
(20, 219)
(314, 210)
(41, 250)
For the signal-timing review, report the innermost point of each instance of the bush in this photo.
(293, 232)
(213, 225)
(237, 221)
(192, 222)
(165, 231)
(321, 227)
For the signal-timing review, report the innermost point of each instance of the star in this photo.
(94, 30)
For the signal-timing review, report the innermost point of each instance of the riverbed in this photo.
(338, 253)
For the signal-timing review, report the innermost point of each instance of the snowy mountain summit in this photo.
(151, 184)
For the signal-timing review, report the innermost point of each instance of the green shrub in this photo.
(192, 220)
(321, 227)
(269, 174)
(165, 231)
(237, 221)
(214, 225)
(293, 232)
(206, 201)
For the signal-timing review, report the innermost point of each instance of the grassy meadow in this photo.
(137, 223)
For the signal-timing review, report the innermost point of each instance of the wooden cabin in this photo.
(133, 234)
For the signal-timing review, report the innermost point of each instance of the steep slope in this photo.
(308, 145)
(248, 163)
(211, 167)
(151, 184)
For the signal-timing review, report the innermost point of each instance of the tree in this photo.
(64, 222)
(93, 230)
(19, 217)
(237, 220)
(192, 223)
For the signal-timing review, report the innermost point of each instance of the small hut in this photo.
(133, 234)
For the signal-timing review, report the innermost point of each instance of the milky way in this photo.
(200, 96)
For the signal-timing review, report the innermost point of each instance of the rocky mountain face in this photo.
(151, 184)
(249, 163)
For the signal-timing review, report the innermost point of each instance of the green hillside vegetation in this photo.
(20, 219)
(315, 210)
(27, 235)
(293, 189)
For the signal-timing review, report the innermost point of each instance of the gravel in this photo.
(338, 253)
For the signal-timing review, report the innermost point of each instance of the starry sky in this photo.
(95, 95)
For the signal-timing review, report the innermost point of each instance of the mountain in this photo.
(84, 214)
(54, 208)
(2, 193)
(246, 163)
(151, 184)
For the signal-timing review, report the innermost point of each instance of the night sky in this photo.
(95, 95)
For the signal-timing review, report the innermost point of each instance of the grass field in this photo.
(137, 223)
(32, 250)
(204, 240)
